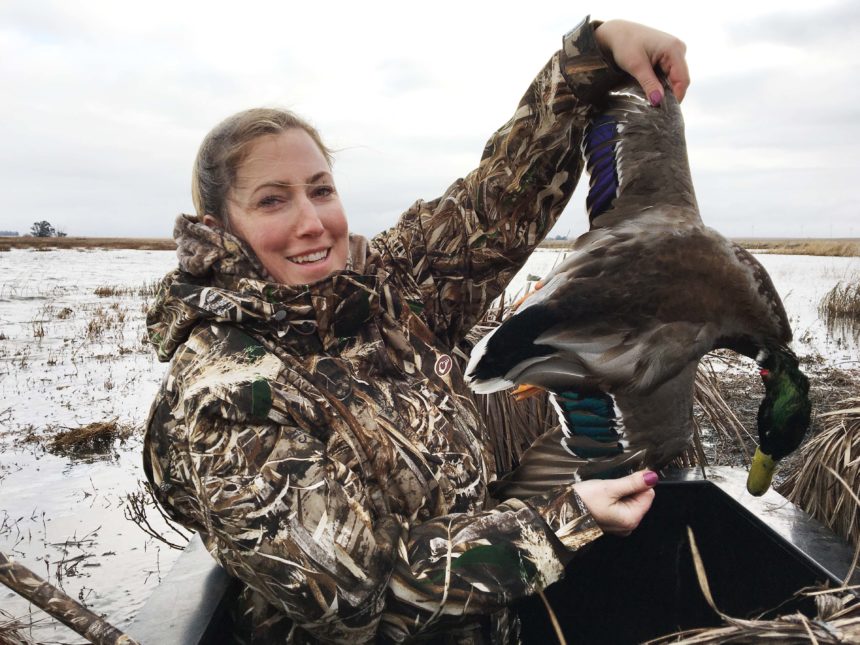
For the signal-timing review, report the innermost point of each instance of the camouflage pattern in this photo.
(321, 438)
(59, 605)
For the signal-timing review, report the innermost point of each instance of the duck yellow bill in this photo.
(761, 472)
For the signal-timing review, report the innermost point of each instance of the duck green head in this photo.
(783, 416)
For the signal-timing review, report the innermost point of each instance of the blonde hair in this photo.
(226, 147)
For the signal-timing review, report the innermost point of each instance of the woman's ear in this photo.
(212, 221)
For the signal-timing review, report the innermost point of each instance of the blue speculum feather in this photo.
(601, 130)
(600, 151)
(591, 417)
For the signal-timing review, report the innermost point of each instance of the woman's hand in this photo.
(618, 505)
(638, 49)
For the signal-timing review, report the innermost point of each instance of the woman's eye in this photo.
(323, 190)
(269, 201)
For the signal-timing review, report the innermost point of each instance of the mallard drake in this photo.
(623, 322)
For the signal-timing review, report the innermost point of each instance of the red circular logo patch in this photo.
(443, 365)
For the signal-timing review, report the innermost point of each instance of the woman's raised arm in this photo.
(459, 251)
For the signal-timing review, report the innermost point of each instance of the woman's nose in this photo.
(309, 223)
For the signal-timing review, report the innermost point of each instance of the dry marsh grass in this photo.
(839, 247)
(38, 329)
(13, 630)
(786, 246)
(47, 243)
(96, 327)
(732, 439)
(111, 291)
(111, 318)
(842, 247)
(94, 438)
(826, 484)
(147, 289)
(837, 622)
(841, 303)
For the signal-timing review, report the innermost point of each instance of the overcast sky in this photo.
(104, 103)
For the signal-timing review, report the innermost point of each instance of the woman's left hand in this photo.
(638, 49)
(618, 505)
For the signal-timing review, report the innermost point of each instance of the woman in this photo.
(313, 426)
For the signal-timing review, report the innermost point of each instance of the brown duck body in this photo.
(642, 297)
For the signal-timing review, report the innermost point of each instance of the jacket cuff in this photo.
(589, 71)
(567, 518)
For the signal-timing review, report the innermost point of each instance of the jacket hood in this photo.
(220, 279)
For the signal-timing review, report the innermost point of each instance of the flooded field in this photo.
(72, 354)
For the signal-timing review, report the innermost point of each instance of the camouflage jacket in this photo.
(321, 439)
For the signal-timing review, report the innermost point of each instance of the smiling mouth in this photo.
(310, 258)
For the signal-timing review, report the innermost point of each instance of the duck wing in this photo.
(649, 432)
(618, 312)
(610, 321)
(636, 156)
(762, 318)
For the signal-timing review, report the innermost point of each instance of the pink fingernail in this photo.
(655, 97)
(651, 478)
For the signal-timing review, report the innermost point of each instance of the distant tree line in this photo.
(44, 229)
(8, 233)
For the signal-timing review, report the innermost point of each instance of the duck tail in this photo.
(499, 358)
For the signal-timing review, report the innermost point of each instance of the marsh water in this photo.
(72, 353)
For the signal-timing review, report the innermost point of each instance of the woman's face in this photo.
(285, 206)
